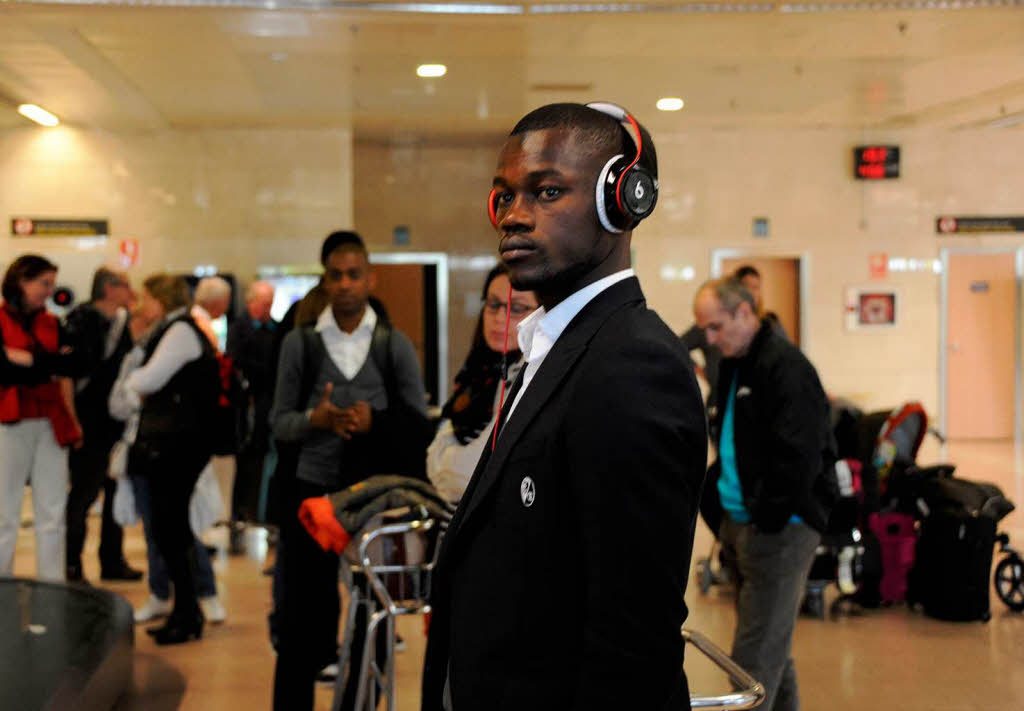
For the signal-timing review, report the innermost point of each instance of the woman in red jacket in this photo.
(37, 416)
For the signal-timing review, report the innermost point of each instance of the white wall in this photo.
(238, 199)
(245, 198)
(714, 183)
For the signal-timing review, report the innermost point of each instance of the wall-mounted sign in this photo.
(878, 265)
(53, 227)
(761, 227)
(876, 162)
(871, 307)
(128, 253)
(950, 225)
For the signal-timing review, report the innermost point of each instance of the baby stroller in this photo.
(864, 551)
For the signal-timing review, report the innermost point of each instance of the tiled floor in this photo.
(885, 659)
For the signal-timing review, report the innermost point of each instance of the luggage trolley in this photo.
(376, 680)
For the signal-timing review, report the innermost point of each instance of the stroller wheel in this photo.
(1009, 582)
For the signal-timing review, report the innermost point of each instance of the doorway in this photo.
(782, 285)
(980, 344)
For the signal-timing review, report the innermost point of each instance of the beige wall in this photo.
(242, 199)
(237, 199)
(713, 184)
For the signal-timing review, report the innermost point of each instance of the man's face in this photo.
(260, 303)
(347, 280)
(752, 283)
(547, 220)
(732, 333)
(218, 308)
(120, 294)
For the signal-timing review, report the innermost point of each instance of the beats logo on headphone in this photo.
(627, 189)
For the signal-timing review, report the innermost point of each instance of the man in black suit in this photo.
(561, 579)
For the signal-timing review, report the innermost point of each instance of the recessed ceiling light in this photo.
(38, 114)
(670, 103)
(431, 70)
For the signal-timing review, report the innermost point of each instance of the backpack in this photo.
(230, 422)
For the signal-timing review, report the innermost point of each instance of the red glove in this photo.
(317, 515)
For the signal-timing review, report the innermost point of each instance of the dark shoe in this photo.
(121, 572)
(236, 538)
(178, 631)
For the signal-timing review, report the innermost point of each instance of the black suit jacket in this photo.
(575, 601)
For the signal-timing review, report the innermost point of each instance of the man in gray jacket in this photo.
(334, 383)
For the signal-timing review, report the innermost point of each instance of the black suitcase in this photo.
(951, 573)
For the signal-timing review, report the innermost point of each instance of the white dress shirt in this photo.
(539, 331)
(347, 350)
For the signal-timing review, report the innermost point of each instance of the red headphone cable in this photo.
(504, 366)
(639, 150)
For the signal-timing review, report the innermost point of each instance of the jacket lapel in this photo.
(559, 361)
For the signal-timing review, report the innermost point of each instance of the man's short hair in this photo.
(103, 278)
(730, 293)
(593, 129)
(210, 290)
(747, 270)
(342, 239)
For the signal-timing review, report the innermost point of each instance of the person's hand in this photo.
(18, 356)
(79, 440)
(357, 419)
(137, 327)
(326, 415)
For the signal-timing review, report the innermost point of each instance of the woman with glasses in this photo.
(469, 414)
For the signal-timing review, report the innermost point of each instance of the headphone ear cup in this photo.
(492, 208)
(608, 213)
(639, 193)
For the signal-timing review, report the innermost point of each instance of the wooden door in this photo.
(780, 287)
(981, 346)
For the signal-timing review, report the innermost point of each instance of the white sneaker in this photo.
(153, 608)
(213, 609)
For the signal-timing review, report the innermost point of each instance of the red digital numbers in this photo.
(876, 162)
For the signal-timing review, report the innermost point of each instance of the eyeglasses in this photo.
(518, 309)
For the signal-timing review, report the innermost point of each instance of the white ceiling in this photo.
(142, 68)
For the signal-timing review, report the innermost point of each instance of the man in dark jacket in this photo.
(773, 482)
(250, 345)
(99, 331)
(561, 580)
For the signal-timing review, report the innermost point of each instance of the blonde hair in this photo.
(170, 291)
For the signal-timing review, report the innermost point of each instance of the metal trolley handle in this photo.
(750, 693)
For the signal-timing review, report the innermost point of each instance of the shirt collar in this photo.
(326, 321)
(552, 324)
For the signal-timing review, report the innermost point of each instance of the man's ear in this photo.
(372, 279)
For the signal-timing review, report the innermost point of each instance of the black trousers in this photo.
(245, 492)
(88, 468)
(308, 609)
(172, 477)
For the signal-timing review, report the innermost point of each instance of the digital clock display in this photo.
(876, 162)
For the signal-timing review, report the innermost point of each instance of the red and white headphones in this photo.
(627, 189)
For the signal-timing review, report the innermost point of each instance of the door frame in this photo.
(440, 260)
(804, 279)
(1018, 383)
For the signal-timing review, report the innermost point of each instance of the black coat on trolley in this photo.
(561, 579)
